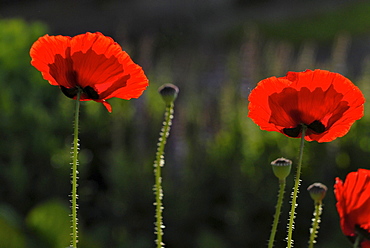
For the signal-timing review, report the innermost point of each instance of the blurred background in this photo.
(219, 190)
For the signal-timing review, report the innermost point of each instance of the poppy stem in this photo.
(158, 164)
(315, 224)
(295, 190)
(74, 195)
(277, 212)
(357, 242)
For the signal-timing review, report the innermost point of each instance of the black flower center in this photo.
(91, 93)
(316, 126)
(69, 92)
(72, 92)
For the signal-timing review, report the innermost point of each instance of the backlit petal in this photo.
(96, 59)
(353, 201)
(134, 81)
(45, 51)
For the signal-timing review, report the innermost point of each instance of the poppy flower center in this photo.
(316, 126)
(88, 91)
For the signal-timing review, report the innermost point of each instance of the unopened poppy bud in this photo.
(317, 192)
(281, 167)
(168, 92)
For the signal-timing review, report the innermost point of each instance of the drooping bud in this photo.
(281, 168)
(169, 93)
(317, 192)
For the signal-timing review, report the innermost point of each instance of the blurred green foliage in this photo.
(50, 220)
(352, 17)
(219, 188)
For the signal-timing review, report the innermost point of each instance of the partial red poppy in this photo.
(353, 205)
(325, 102)
(90, 62)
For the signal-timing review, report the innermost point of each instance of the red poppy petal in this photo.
(107, 106)
(107, 67)
(132, 84)
(340, 127)
(365, 244)
(259, 110)
(360, 187)
(341, 208)
(96, 59)
(96, 42)
(353, 201)
(43, 53)
(310, 79)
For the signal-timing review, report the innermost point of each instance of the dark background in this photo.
(219, 190)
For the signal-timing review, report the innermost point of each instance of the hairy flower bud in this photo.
(281, 167)
(169, 93)
(317, 192)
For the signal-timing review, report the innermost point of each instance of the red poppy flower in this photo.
(92, 63)
(325, 102)
(353, 204)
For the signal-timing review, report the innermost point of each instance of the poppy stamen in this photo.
(91, 93)
(317, 127)
(293, 132)
(69, 92)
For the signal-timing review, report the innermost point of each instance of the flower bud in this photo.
(317, 192)
(169, 93)
(281, 167)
